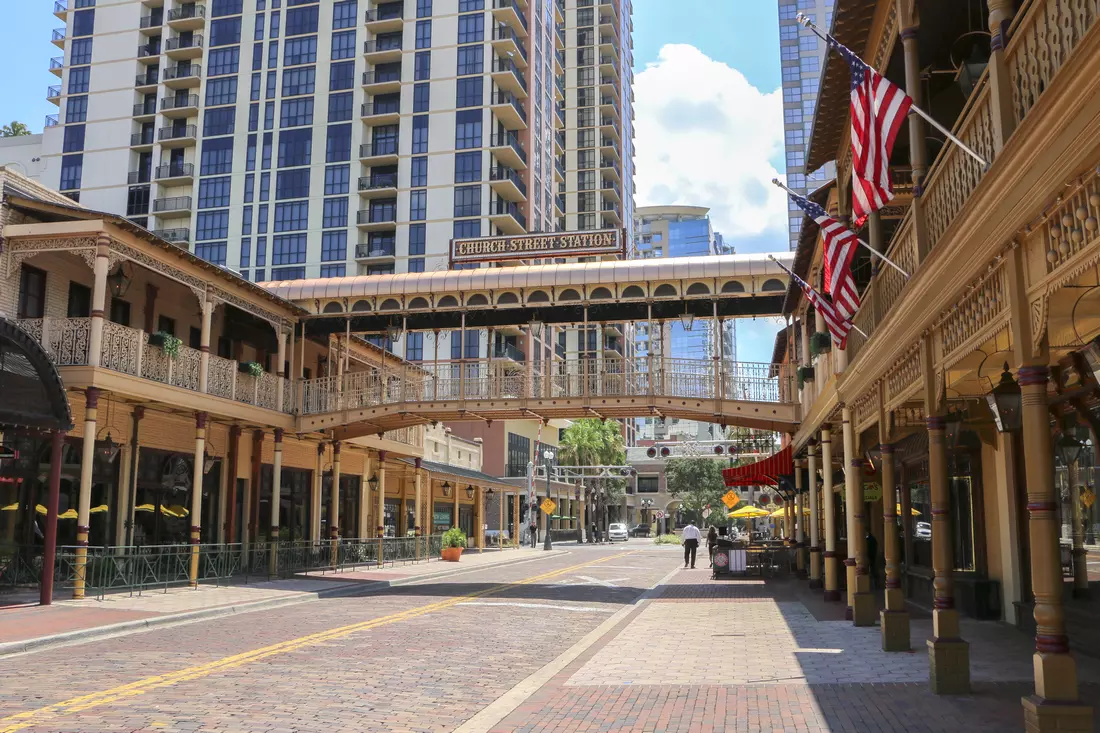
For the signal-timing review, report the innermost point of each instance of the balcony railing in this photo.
(186, 12)
(179, 42)
(53, 91)
(150, 21)
(172, 203)
(508, 351)
(559, 201)
(368, 250)
(387, 11)
(188, 100)
(509, 98)
(145, 137)
(57, 62)
(505, 4)
(373, 150)
(176, 170)
(505, 33)
(382, 44)
(377, 180)
(139, 177)
(128, 351)
(380, 77)
(175, 236)
(177, 133)
(148, 49)
(57, 35)
(182, 72)
(149, 78)
(503, 173)
(501, 66)
(376, 216)
(144, 109)
(373, 109)
(501, 207)
(51, 121)
(508, 140)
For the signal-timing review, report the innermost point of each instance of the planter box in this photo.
(156, 339)
(451, 554)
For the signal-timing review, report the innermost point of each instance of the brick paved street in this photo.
(573, 642)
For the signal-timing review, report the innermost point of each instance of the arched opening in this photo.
(698, 289)
(390, 305)
(569, 294)
(733, 287)
(538, 296)
(448, 301)
(633, 291)
(360, 306)
(773, 285)
(600, 294)
(664, 291)
(418, 303)
(477, 299)
(507, 298)
(333, 307)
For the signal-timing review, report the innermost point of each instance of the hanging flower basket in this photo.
(166, 341)
(253, 368)
(820, 342)
(805, 374)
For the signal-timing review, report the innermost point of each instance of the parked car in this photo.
(922, 531)
(617, 531)
(639, 530)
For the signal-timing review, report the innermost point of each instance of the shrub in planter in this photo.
(253, 368)
(166, 341)
(820, 342)
(454, 542)
(805, 374)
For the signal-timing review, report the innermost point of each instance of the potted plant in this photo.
(454, 542)
(255, 368)
(805, 374)
(166, 341)
(820, 342)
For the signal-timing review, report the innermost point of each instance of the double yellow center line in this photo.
(19, 721)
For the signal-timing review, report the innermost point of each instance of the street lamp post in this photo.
(548, 456)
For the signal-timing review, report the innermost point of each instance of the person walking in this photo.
(712, 543)
(690, 539)
(872, 558)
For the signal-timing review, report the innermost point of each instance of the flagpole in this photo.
(871, 249)
(804, 284)
(828, 38)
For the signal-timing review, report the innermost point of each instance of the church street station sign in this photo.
(538, 246)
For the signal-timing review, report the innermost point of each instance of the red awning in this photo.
(761, 473)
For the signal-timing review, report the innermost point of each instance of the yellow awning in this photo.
(912, 511)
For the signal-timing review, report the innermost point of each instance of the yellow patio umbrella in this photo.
(912, 511)
(10, 508)
(144, 508)
(748, 512)
(71, 514)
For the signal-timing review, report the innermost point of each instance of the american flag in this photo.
(840, 248)
(839, 325)
(878, 109)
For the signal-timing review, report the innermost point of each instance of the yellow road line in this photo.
(19, 721)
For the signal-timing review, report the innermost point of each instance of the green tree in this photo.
(593, 442)
(698, 483)
(15, 129)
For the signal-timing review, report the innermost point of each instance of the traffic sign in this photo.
(548, 506)
(659, 514)
(1088, 498)
(706, 512)
(731, 499)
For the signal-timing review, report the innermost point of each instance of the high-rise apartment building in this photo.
(680, 231)
(801, 53)
(298, 138)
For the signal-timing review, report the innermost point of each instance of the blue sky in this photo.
(728, 48)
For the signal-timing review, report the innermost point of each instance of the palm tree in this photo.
(592, 442)
(15, 129)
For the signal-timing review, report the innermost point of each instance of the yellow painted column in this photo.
(417, 502)
(893, 619)
(815, 514)
(84, 500)
(800, 521)
(861, 604)
(276, 503)
(99, 302)
(948, 654)
(334, 507)
(196, 496)
(828, 508)
(515, 519)
(204, 345)
(479, 518)
(1056, 704)
(381, 506)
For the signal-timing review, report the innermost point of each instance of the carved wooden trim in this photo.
(20, 250)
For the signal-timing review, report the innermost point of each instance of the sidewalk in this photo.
(26, 627)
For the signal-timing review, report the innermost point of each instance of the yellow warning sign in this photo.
(548, 506)
(1088, 498)
(731, 499)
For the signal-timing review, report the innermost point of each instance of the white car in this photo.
(923, 531)
(617, 532)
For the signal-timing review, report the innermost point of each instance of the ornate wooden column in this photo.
(380, 519)
(99, 302)
(861, 604)
(828, 503)
(894, 619)
(1055, 706)
(948, 654)
(815, 514)
(418, 504)
(909, 21)
(1000, 81)
(280, 370)
(800, 522)
(334, 507)
(84, 500)
(196, 496)
(204, 345)
(479, 518)
(276, 504)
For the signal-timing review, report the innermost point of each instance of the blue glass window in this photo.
(414, 344)
(420, 134)
(74, 139)
(292, 216)
(214, 192)
(344, 15)
(333, 270)
(257, 84)
(416, 264)
(469, 92)
(250, 154)
(246, 220)
(212, 252)
(261, 227)
(418, 238)
(421, 96)
(261, 23)
(467, 167)
(335, 213)
(253, 117)
(257, 56)
(221, 91)
(296, 112)
(301, 20)
(422, 65)
(419, 171)
(261, 253)
(467, 228)
(76, 109)
(292, 184)
(466, 6)
(78, 80)
(218, 121)
(340, 107)
(84, 22)
(471, 28)
(338, 145)
(341, 76)
(272, 83)
(295, 147)
(299, 51)
(72, 168)
(334, 246)
(272, 54)
(276, 22)
(246, 254)
(468, 129)
(343, 45)
(337, 179)
(299, 81)
(423, 33)
(226, 7)
(471, 60)
(288, 249)
(418, 205)
(423, 8)
(217, 157)
(225, 32)
(80, 52)
(212, 224)
(285, 273)
(467, 201)
(249, 187)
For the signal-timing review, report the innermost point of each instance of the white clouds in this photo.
(704, 138)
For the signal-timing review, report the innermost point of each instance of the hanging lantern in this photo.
(1004, 402)
(108, 449)
(119, 281)
(208, 462)
(446, 487)
(1068, 448)
(469, 491)
(372, 482)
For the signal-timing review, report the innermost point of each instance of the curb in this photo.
(126, 627)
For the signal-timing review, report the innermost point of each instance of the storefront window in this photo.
(293, 504)
(162, 506)
(410, 517)
(442, 517)
(391, 512)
